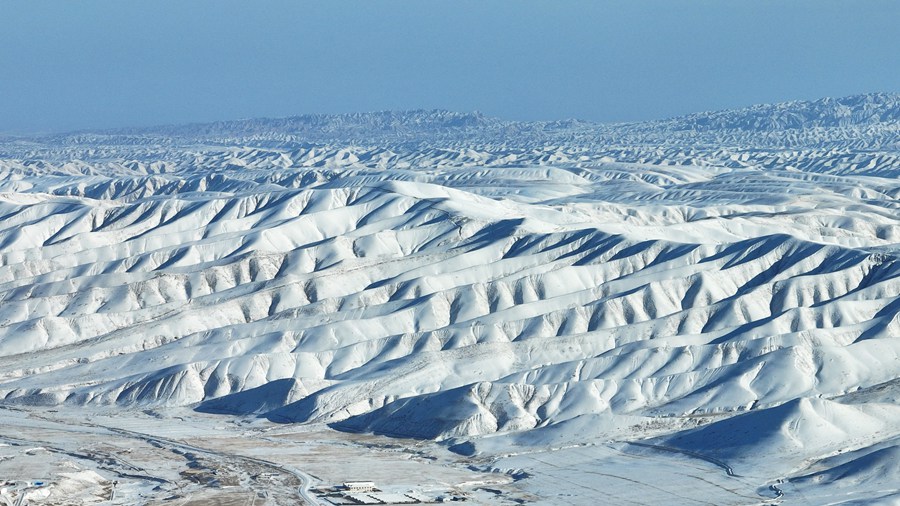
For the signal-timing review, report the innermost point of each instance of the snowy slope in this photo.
(444, 275)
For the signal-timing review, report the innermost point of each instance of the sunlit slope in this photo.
(386, 303)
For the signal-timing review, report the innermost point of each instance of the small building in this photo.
(360, 486)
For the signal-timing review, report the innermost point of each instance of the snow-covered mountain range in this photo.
(458, 277)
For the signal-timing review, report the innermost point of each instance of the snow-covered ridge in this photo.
(447, 275)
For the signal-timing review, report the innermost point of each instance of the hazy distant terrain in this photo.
(726, 284)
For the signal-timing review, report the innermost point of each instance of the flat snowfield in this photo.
(703, 310)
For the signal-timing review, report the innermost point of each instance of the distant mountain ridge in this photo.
(857, 134)
(851, 111)
(329, 125)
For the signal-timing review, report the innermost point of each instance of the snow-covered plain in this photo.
(713, 298)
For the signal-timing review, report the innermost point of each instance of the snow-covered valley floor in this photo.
(181, 457)
(697, 310)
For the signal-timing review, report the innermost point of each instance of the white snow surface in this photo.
(455, 277)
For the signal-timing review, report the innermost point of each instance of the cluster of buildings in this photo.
(365, 492)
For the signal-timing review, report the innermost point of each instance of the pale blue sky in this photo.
(92, 64)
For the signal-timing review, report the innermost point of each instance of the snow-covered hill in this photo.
(452, 276)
